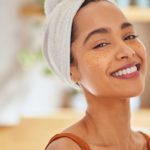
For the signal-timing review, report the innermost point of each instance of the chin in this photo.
(134, 91)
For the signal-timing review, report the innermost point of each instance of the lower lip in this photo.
(128, 76)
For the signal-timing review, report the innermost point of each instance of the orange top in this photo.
(82, 143)
(147, 139)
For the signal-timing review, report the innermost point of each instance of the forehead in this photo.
(98, 14)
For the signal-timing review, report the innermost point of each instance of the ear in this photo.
(74, 73)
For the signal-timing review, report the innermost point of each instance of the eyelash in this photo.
(100, 45)
(133, 37)
(130, 37)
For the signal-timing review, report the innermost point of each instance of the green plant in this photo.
(28, 59)
(41, 2)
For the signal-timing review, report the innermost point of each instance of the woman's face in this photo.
(111, 60)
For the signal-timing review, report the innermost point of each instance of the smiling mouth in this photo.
(130, 71)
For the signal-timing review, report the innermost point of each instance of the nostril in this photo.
(124, 57)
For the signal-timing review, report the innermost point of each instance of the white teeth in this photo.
(117, 74)
(120, 73)
(125, 71)
(134, 68)
(128, 70)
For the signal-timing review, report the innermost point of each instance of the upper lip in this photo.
(126, 66)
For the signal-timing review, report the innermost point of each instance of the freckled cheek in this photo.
(142, 54)
(141, 50)
(94, 63)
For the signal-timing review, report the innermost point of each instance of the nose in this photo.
(125, 51)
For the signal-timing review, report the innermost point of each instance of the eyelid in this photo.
(135, 37)
(128, 34)
(100, 41)
(97, 45)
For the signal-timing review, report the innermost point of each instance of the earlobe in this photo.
(74, 74)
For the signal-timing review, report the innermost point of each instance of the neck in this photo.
(109, 121)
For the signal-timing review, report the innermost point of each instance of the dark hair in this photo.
(73, 31)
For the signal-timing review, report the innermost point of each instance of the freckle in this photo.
(95, 62)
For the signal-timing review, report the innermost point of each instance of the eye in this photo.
(131, 37)
(101, 45)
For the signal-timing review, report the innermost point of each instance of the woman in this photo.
(108, 64)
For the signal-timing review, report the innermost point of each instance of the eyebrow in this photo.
(105, 30)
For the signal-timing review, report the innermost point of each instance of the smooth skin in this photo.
(106, 125)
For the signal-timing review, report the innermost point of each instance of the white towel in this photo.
(57, 39)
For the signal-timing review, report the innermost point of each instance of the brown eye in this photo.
(131, 37)
(101, 45)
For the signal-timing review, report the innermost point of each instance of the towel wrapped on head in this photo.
(57, 38)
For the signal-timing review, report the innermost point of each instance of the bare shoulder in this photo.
(63, 144)
(66, 143)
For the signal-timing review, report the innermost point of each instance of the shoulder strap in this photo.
(147, 139)
(76, 139)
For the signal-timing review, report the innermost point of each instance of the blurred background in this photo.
(34, 103)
